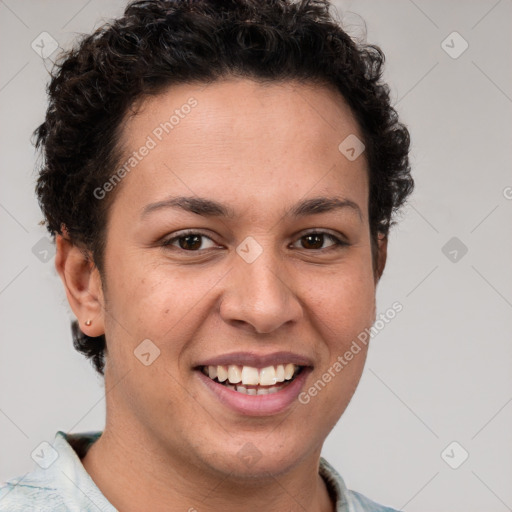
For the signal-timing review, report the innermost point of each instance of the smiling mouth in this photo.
(249, 380)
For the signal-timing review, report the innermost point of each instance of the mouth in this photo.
(249, 380)
(251, 384)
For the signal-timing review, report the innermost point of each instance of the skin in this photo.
(259, 149)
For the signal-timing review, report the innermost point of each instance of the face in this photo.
(244, 272)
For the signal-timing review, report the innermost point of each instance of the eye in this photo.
(190, 241)
(315, 240)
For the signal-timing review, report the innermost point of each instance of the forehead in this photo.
(223, 107)
(239, 139)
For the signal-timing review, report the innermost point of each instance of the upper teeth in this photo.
(249, 375)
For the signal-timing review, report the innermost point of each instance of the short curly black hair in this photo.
(158, 43)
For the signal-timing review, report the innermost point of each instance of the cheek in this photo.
(142, 291)
(344, 312)
(344, 304)
(160, 301)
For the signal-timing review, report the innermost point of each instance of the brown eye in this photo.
(316, 240)
(190, 242)
(313, 241)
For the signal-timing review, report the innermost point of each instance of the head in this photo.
(226, 119)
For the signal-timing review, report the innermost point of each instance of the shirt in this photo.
(60, 483)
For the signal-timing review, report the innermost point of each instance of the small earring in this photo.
(88, 322)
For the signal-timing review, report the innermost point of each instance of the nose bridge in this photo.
(258, 293)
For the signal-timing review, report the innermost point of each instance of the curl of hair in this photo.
(158, 43)
(92, 348)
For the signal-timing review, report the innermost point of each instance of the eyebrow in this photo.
(211, 208)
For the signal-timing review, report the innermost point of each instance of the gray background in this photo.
(439, 372)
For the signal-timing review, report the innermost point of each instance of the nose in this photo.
(258, 295)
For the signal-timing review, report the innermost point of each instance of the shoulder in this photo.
(59, 483)
(361, 503)
(30, 492)
(347, 500)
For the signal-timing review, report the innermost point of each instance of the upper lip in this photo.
(257, 360)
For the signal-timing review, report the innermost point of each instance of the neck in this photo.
(136, 475)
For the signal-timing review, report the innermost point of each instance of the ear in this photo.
(382, 254)
(82, 283)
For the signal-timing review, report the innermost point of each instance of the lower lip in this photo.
(257, 405)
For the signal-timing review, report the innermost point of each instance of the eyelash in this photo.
(338, 243)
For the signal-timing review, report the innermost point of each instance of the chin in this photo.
(255, 460)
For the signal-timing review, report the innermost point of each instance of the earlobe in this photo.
(82, 283)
